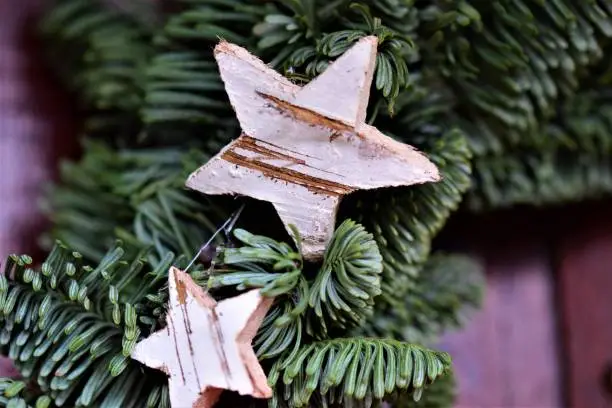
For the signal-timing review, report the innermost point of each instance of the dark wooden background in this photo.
(544, 337)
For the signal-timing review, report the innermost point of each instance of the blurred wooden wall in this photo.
(35, 129)
(544, 337)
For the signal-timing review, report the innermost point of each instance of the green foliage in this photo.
(511, 60)
(294, 35)
(508, 97)
(439, 394)
(16, 394)
(343, 292)
(577, 168)
(522, 74)
(308, 61)
(183, 91)
(509, 67)
(339, 296)
(404, 224)
(100, 52)
(135, 195)
(354, 372)
(70, 328)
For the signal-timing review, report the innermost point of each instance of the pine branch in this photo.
(519, 85)
(540, 179)
(345, 288)
(300, 45)
(183, 92)
(404, 223)
(575, 167)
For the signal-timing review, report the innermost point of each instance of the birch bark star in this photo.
(206, 346)
(304, 148)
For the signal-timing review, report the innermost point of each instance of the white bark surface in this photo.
(206, 347)
(302, 149)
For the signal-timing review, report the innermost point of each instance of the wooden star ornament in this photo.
(206, 346)
(304, 148)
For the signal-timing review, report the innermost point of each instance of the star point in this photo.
(304, 148)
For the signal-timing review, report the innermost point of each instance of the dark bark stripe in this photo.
(252, 144)
(176, 349)
(249, 143)
(309, 116)
(314, 184)
(218, 335)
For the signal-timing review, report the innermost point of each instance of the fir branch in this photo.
(305, 51)
(17, 394)
(354, 372)
(404, 223)
(540, 179)
(345, 288)
(439, 394)
(71, 327)
(99, 52)
(276, 268)
(134, 195)
(183, 92)
(339, 296)
(575, 164)
(508, 61)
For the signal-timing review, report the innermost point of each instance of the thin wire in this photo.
(227, 226)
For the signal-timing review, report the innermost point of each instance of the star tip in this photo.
(189, 182)
(224, 47)
(370, 38)
(435, 174)
(177, 275)
(174, 269)
(265, 394)
(221, 45)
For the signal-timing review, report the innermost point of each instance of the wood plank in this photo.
(585, 279)
(507, 356)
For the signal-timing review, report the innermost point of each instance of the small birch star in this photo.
(206, 346)
(303, 148)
